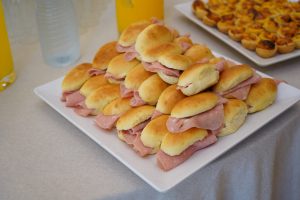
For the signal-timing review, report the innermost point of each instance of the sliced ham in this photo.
(156, 113)
(254, 79)
(185, 46)
(125, 93)
(106, 121)
(82, 110)
(123, 49)
(137, 129)
(157, 67)
(140, 148)
(220, 65)
(211, 120)
(112, 76)
(136, 100)
(129, 56)
(241, 93)
(65, 94)
(167, 162)
(74, 98)
(129, 138)
(96, 72)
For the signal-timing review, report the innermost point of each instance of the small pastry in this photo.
(250, 41)
(236, 33)
(266, 48)
(285, 45)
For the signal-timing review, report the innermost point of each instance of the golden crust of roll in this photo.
(151, 89)
(129, 35)
(136, 76)
(92, 84)
(176, 61)
(175, 144)
(119, 66)
(102, 96)
(261, 95)
(168, 79)
(151, 37)
(117, 106)
(153, 134)
(194, 105)
(168, 98)
(235, 113)
(231, 77)
(76, 77)
(134, 116)
(198, 52)
(155, 53)
(104, 55)
(197, 78)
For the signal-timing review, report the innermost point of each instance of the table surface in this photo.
(43, 156)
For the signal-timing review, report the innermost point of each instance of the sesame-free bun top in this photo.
(102, 96)
(129, 35)
(76, 77)
(168, 98)
(136, 76)
(117, 106)
(153, 54)
(175, 61)
(198, 52)
(197, 78)
(154, 132)
(231, 77)
(92, 83)
(194, 105)
(235, 112)
(168, 79)
(261, 95)
(119, 66)
(134, 116)
(174, 144)
(104, 55)
(151, 89)
(152, 36)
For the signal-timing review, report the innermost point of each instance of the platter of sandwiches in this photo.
(265, 32)
(164, 105)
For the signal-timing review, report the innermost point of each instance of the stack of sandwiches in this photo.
(164, 94)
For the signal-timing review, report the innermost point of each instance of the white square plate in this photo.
(186, 9)
(146, 168)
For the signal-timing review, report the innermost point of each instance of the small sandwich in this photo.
(177, 148)
(150, 138)
(77, 100)
(98, 99)
(235, 113)
(112, 112)
(103, 57)
(235, 82)
(204, 110)
(73, 81)
(167, 100)
(199, 53)
(149, 91)
(262, 94)
(151, 37)
(128, 37)
(118, 68)
(132, 122)
(135, 77)
(198, 77)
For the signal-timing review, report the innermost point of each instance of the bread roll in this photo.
(175, 61)
(153, 54)
(92, 84)
(104, 55)
(136, 76)
(198, 52)
(117, 106)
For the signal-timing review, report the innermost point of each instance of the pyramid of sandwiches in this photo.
(266, 27)
(164, 94)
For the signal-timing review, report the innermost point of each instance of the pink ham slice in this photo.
(106, 121)
(130, 52)
(167, 162)
(125, 93)
(129, 138)
(137, 129)
(185, 46)
(241, 93)
(156, 113)
(112, 76)
(65, 94)
(157, 67)
(96, 72)
(74, 98)
(140, 148)
(136, 100)
(211, 120)
(82, 110)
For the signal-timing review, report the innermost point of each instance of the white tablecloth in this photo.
(43, 156)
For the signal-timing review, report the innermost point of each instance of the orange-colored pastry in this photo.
(199, 9)
(236, 33)
(270, 25)
(211, 19)
(285, 45)
(266, 48)
(249, 41)
(296, 39)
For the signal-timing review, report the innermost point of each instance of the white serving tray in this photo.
(186, 9)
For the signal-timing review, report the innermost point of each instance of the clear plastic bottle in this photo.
(58, 32)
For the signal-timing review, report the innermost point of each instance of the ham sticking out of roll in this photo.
(158, 67)
(136, 100)
(96, 72)
(125, 92)
(72, 98)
